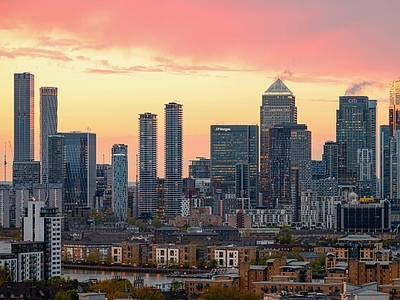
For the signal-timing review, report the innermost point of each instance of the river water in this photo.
(150, 279)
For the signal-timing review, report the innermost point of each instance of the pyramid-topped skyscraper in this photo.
(278, 107)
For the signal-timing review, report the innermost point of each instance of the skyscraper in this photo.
(173, 158)
(80, 170)
(356, 129)
(24, 125)
(394, 106)
(278, 106)
(234, 160)
(147, 202)
(384, 176)
(48, 125)
(119, 158)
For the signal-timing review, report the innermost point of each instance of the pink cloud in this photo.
(336, 38)
(33, 52)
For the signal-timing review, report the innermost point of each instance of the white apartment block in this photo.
(309, 209)
(30, 266)
(167, 255)
(227, 258)
(116, 254)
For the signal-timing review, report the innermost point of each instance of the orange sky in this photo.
(112, 60)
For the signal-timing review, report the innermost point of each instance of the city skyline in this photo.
(226, 56)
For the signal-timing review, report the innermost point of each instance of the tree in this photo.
(213, 264)
(147, 293)
(15, 234)
(67, 295)
(114, 288)
(156, 223)
(4, 274)
(93, 258)
(228, 293)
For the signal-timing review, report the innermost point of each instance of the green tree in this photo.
(4, 274)
(229, 293)
(15, 234)
(67, 295)
(93, 258)
(156, 223)
(213, 264)
(119, 288)
(147, 293)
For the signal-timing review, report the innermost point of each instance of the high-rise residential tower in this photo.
(385, 162)
(48, 125)
(356, 130)
(80, 171)
(173, 158)
(278, 106)
(234, 160)
(24, 125)
(119, 159)
(147, 202)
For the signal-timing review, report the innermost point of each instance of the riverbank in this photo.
(131, 269)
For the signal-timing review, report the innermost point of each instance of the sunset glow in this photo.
(112, 60)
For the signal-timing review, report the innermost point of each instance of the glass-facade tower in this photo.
(147, 202)
(80, 170)
(278, 106)
(48, 125)
(173, 158)
(356, 129)
(24, 126)
(234, 160)
(119, 158)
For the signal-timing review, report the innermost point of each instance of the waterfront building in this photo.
(24, 123)
(80, 170)
(43, 224)
(173, 158)
(48, 125)
(119, 158)
(278, 106)
(234, 160)
(147, 202)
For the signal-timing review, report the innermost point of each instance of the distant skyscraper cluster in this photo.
(266, 166)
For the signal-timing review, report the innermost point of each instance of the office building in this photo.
(24, 125)
(26, 173)
(43, 224)
(363, 217)
(234, 160)
(173, 158)
(21, 203)
(80, 171)
(147, 202)
(48, 125)
(55, 159)
(278, 106)
(200, 168)
(356, 129)
(330, 157)
(278, 191)
(119, 159)
(103, 186)
(5, 205)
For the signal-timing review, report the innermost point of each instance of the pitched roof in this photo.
(278, 87)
